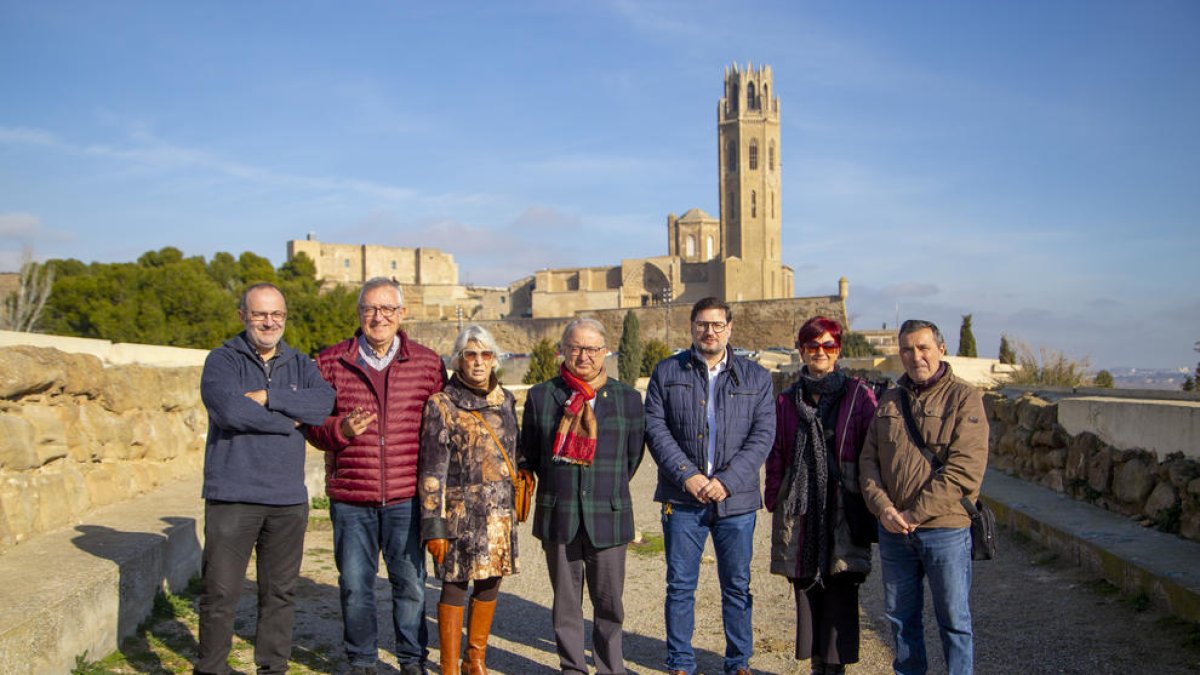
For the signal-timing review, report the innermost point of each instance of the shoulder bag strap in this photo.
(511, 471)
(915, 434)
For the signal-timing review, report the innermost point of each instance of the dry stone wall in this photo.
(75, 435)
(1028, 442)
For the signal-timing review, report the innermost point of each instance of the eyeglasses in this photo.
(714, 326)
(472, 355)
(386, 311)
(576, 350)
(278, 317)
(812, 346)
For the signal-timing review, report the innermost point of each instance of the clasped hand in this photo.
(897, 522)
(706, 490)
(356, 421)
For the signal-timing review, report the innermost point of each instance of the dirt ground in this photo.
(1033, 614)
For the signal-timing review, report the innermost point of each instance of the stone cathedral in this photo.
(735, 256)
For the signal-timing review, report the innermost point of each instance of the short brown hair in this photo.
(712, 303)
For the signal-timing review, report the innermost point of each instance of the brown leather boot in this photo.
(479, 626)
(450, 623)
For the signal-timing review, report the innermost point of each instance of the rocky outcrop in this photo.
(1028, 442)
(75, 435)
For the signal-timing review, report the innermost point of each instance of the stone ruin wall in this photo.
(75, 435)
(757, 325)
(1028, 442)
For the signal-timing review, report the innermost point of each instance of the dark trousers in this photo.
(827, 620)
(604, 569)
(232, 531)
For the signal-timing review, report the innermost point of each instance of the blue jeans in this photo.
(359, 534)
(685, 531)
(944, 556)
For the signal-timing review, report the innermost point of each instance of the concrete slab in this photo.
(1136, 559)
(83, 589)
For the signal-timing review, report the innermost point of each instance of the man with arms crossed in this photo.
(382, 379)
(710, 423)
(924, 529)
(259, 394)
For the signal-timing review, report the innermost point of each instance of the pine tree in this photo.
(966, 338)
(629, 360)
(1104, 379)
(543, 363)
(1007, 355)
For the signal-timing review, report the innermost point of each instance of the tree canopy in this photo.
(167, 299)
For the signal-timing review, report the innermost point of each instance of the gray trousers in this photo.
(604, 570)
(231, 532)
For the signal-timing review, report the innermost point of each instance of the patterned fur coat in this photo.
(466, 488)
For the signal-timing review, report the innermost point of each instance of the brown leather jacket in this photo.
(950, 417)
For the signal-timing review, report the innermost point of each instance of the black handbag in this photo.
(983, 521)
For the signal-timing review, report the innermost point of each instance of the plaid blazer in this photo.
(570, 496)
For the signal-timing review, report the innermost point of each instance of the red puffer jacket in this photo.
(380, 465)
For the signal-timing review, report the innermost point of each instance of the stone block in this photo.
(1161, 498)
(1042, 438)
(1029, 411)
(992, 403)
(49, 432)
(1099, 470)
(86, 375)
(1180, 471)
(1189, 525)
(1132, 481)
(30, 370)
(1193, 487)
(16, 444)
(1045, 460)
(1053, 479)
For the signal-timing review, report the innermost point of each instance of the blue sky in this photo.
(1036, 164)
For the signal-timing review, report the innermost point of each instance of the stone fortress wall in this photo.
(1147, 467)
(76, 435)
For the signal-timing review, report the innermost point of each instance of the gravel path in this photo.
(1033, 614)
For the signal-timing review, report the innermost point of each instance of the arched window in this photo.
(751, 103)
(690, 247)
(771, 156)
(772, 203)
(733, 97)
(754, 154)
(731, 156)
(753, 204)
(767, 95)
(708, 248)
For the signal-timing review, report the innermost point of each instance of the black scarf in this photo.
(808, 497)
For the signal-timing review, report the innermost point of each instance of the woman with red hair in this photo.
(821, 531)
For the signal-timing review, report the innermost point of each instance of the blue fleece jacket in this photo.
(255, 454)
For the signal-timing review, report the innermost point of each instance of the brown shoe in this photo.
(676, 672)
(450, 623)
(479, 627)
(744, 671)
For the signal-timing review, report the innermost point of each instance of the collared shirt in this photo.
(367, 354)
(710, 409)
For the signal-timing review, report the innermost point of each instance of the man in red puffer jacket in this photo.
(382, 379)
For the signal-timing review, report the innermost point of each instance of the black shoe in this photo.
(412, 669)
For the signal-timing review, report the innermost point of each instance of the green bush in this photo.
(856, 345)
(1104, 379)
(543, 363)
(656, 350)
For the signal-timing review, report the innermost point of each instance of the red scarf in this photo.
(575, 440)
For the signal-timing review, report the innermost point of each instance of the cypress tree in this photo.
(629, 361)
(966, 338)
(1007, 355)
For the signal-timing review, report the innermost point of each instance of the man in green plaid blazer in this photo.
(583, 513)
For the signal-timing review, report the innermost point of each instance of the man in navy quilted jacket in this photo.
(710, 423)
(260, 395)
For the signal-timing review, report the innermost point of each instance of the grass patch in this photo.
(320, 503)
(651, 544)
(1187, 632)
(1101, 587)
(1139, 601)
(1045, 557)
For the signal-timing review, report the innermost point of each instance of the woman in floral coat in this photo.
(468, 521)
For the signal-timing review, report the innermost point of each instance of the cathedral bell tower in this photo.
(749, 168)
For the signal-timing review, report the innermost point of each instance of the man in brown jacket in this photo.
(924, 529)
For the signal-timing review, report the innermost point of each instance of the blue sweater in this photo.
(255, 454)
